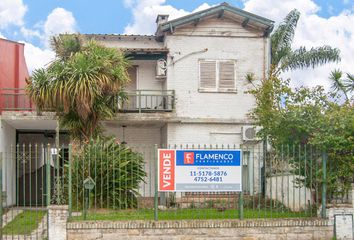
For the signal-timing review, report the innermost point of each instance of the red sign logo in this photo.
(188, 158)
(166, 170)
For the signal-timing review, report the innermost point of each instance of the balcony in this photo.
(143, 101)
(138, 101)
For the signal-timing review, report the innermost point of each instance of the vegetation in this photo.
(188, 213)
(340, 85)
(81, 84)
(284, 58)
(24, 223)
(116, 170)
(308, 116)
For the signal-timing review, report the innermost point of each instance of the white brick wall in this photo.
(183, 74)
(142, 135)
(204, 134)
(141, 139)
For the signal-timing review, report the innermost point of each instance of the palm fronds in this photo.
(80, 83)
(284, 58)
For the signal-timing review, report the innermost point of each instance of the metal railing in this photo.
(16, 99)
(148, 101)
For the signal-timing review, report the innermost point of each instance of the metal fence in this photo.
(119, 182)
(290, 181)
(27, 180)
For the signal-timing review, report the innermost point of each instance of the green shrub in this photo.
(116, 169)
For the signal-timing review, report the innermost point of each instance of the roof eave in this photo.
(165, 27)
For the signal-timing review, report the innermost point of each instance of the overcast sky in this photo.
(329, 22)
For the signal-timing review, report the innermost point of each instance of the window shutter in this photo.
(208, 74)
(227, 75)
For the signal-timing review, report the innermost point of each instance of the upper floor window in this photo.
(217, 76)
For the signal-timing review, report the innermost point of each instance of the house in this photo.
(13, 71)
(194, 70)
(188, 84)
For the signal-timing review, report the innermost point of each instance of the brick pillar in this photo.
(57, 219)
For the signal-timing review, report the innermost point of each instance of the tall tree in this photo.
(81, 84)
(284, 58)
(271, 96)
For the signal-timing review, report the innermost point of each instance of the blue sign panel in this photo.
(208, 158)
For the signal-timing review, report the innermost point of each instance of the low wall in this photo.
(208, 229)
(283, 189)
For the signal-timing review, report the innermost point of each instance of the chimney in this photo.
(161, 18)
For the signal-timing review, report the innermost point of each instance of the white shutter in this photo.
(227, 75)
(207, 74)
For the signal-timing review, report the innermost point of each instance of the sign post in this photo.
(196, 170)
(89, 184)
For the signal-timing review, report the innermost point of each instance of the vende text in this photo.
(167, 170)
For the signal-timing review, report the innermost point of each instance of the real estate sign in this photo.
(196, 170)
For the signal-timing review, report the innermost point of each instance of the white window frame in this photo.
(217, 75)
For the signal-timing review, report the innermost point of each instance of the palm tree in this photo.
(81, 84)
(284, 58)
(339, 84)
(349, 82)
(272, 94)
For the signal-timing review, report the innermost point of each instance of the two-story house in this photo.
(188, 83)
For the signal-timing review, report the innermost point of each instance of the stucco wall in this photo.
(146, 75)
(284, 189)
(8, 139)
(13, 72)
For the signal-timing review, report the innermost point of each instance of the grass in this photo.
(24, 223)
(182, 214)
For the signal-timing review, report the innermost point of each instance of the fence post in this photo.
(263, 169)
(156, 199)
(324, 184)
(70, 182)
(48, 176)
(139, 94)
(1, 200)
(241, 206)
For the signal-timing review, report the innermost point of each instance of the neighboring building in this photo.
(13, 72)
(188, 83)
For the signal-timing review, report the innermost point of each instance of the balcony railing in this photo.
(15, 99)
(148, 101)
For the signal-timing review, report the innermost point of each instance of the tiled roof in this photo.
(145, 50)
(116, 37)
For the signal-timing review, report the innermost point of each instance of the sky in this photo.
(33, 22)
